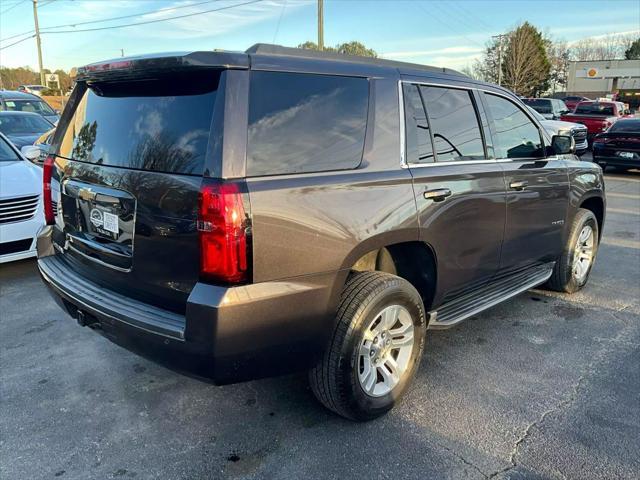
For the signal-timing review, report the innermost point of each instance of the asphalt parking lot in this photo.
(543, 386)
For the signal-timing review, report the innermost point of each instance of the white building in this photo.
(596, 79)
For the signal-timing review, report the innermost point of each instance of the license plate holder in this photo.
(103, 221)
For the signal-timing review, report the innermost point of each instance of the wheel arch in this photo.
(411, 259)
(596, 204)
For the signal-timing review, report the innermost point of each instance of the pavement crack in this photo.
(464, 460)
(562, 404)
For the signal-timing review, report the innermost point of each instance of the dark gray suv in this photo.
(241, 215)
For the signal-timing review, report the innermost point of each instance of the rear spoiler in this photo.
(134, 67)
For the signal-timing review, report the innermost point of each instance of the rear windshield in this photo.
(595, 109)
(33, 106)
(626, 126)
(540, 105)
(160, 124)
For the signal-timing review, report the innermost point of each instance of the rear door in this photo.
(131, 160)
(537, 185)
(459, 192)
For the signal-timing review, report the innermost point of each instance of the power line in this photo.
(19, 41)
(156, 21)
(13, 6)
(284, 6)
(167, 9)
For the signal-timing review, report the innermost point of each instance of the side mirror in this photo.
(563, 144)
(31, 152)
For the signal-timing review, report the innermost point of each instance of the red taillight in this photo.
(222, 228)
(47, 173)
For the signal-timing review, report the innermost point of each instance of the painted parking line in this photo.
(619, 242)
(631, 196)
(623, 211)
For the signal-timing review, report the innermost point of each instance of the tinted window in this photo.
(539, 105)
(418, 139)
(454, 124)
(515, 135)
(626, 126)
(595, 109)
(160, 124)
(305, 123)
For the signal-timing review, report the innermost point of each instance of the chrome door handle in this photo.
(437, 194)
(518, 185)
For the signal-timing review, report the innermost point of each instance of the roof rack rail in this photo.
(270, 49)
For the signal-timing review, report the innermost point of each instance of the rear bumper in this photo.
(226, 335)
(606, 157)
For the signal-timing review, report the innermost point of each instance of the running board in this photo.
(461, 308)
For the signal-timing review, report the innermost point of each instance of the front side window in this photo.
(454, 124)
(418, 139)
(515, 135)
(305, 123)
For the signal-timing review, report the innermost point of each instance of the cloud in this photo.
(422, 53)
(216, 23)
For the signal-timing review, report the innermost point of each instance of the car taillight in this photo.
(47, 173)
(223, 228)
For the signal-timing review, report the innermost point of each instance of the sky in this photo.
(442, 33)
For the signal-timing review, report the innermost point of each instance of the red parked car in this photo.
(573, 101)
(596, 115)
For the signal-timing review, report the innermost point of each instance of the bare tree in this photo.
(609, 47)
(486, 68)
(559, 54)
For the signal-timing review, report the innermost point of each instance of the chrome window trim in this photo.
(403, 159)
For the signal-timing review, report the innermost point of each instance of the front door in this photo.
(537, 186)
(460, 194)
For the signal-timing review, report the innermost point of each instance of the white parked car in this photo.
(35, 89)
(559, 127)
(21, 209)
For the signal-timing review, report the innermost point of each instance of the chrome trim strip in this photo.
(68, 246)
(403, 160)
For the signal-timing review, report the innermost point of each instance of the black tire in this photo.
(334, 380)
(563, 278)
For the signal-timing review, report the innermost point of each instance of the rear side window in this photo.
(418, 138)
(454, 124)
(160, 124)
(305, 123)
(515, 135)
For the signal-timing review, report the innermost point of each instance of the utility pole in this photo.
(320, 25)
(499, 37)
(35, 20)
